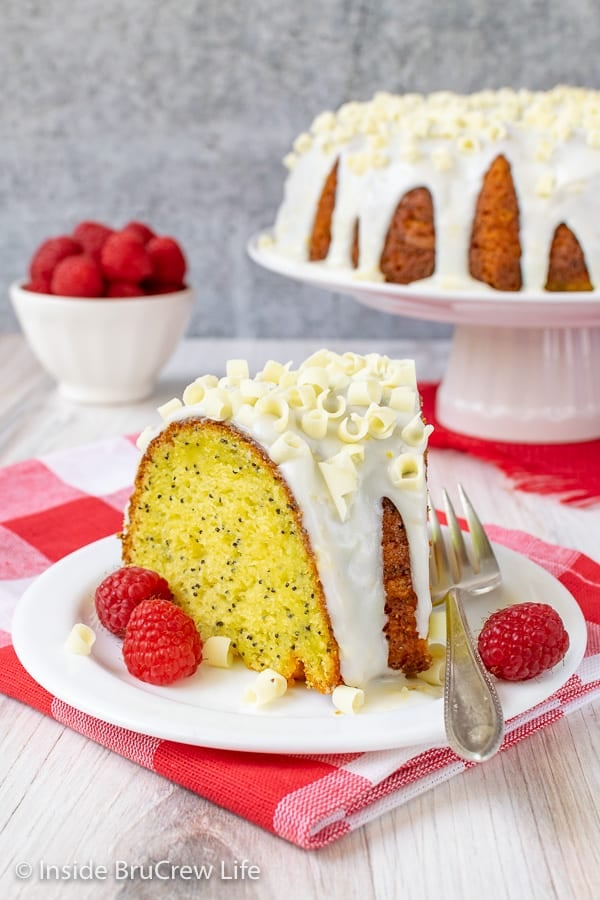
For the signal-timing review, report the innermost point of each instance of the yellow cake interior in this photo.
(210, 512)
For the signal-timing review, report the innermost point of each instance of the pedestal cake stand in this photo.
(523, 367)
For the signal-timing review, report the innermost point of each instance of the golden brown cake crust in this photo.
(409, 250)
(495, 248)
(567, 269)
(320, 238)
(406, 650)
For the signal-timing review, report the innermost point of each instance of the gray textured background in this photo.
(179, 112)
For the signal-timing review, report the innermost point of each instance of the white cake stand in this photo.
(523, 367)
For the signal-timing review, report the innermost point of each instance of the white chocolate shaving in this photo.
(353, 429)
(237, 369)
(406, 471)
(194, 393)
(80, 640)
(381, 421)
(169, 407)
(315, 376)
(363, 393)
(301, 397)
(341, 479)
(334, 406)
(217, 651)
(402, 398)
(414, 433)
(437, 629)
(275, 406)
(272, 371)
(348, 699)
(288, 446)
(268, 686)
(315, 423)
(217, 403)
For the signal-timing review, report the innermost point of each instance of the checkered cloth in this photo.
(57, 503)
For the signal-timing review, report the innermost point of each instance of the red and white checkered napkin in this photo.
(57, 503)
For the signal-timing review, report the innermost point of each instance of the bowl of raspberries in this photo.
(103, 309)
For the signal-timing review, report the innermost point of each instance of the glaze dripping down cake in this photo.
(495, 188)
(288, 511)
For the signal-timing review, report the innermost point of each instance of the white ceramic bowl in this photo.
(106, 350)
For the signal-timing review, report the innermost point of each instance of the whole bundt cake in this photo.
(497, 187)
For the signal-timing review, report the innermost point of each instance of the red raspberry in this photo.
(117, 596)
(77, 276)
(124, 289)
(39, 285)
(153, 287)
(50, 253)
(168, 261)
(92, 236)
(521, 641)
(140, 230)
(161, 643)
(124, 258)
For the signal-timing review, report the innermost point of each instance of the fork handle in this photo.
(472, 712)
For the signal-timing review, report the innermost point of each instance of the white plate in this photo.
(207, 709)
(471, 303)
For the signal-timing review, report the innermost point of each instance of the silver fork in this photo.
(472, 712)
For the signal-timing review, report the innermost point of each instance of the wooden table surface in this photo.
(526, 824)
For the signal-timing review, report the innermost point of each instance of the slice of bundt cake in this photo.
(289, 513)
(454, 191)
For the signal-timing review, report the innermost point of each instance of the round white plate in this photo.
(472, 304)
(207, 709)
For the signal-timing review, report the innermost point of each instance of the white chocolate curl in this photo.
(363, 393)
(402, 398)
(268, 686)
(435, 674)
(353, 428)
(273, 371)
(381, 421)
(274, 406)
(341, 479)
(169, 407)
(406, 471)
(217, 404)
(217, 651)
(194, 393)
(237, 369)
(288, 446)
(314, 423)
(348, 699)
(80, 640)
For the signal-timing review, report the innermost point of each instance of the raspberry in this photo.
(154, 287)
(117, 596)
(139, 230)
(124, 258)
(39, 285)
(521, 641)
(50, 253)
(124, 289)
(161, 643)
(168, 261)
(77, 276)
(92, 236)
